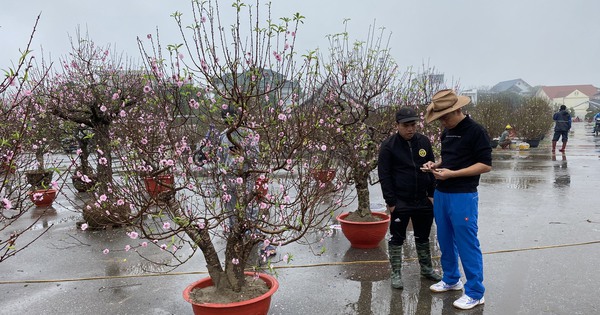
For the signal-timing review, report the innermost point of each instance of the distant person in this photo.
(506, 137)
(408, 192)
(466, 154)
(561, 128)
(596, 122)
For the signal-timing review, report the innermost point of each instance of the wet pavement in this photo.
(539, 227)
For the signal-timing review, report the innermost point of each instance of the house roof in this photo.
(507, 85)
(564, 90)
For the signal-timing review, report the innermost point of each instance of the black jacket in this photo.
(398, 167)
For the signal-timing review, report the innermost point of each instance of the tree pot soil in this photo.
(43, 197)
(82, 186)
(261, 289)
(365, 234)
(158, 184)
(109, 215)
(39, 179)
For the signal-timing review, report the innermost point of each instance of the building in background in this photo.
(518, 86)
(579, 98)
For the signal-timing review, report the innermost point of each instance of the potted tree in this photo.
(93, 87)
(358, 113)
(253, 97)
(40, 137)
(325, 166)
(494, 111)
(533, 119)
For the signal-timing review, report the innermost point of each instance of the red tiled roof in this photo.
(564, 90)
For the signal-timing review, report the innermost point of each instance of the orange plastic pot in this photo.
(365, 234)
(257, 306)
(43, 197)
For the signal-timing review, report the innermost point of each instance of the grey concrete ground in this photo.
(539, 227)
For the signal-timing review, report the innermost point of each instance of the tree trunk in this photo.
(105, 171)
(108, 213)
(39, 157)
(84, 156)
(361, 183)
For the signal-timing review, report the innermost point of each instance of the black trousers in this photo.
(419, 212)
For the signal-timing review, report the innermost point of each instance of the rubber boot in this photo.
(553, 146)
(564, 146)
(424, 254)
(395, 253)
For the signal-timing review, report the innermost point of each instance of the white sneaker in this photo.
(467, 303)
(443, 286)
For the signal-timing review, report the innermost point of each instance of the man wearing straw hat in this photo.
(466, 154)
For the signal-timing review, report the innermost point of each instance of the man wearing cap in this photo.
(408, 192)
(466, 154)
(505, 138)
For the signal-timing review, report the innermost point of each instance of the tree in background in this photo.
(495, 111)
(358, 87)
(94, 87)
(533, 119)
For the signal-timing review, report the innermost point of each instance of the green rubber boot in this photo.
(424, 254)
(395, 253)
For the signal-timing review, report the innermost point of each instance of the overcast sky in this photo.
(477, 42)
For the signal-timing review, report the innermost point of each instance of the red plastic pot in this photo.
(43, 197)
(262, 187)
(156, 185)
(323, 175)
(256, 306)
(365, 234)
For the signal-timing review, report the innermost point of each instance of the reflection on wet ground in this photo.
(513, 182)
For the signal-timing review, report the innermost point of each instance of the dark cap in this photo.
(563, 107)
(406, 114)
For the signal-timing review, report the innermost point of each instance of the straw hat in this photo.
(444, 102)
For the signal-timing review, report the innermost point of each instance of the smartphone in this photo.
(426, 169)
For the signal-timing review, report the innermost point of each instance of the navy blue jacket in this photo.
(398, 167)
(563, 120)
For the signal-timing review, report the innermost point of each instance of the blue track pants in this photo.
(456, 220)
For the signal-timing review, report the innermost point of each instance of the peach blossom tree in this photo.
(18, 107)
(93, 87)
(249, 83)
(360, 82)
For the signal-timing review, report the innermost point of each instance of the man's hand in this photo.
(429, 166)
(443, 173)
